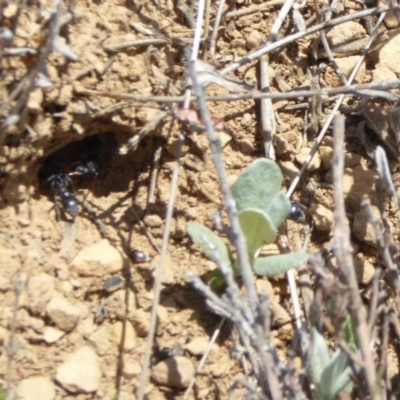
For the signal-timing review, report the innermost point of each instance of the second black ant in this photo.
(61, 186)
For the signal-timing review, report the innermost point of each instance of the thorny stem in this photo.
(239, 242)
(217, 22)
(345, 260)
(159, 274)
(27, 84)
(375, 89)
(291, 38)
(237, 234)
(167, 228)
(338, 103)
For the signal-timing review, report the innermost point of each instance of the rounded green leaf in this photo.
(275, 265)
(258, 229)
(257, 185)
(278, 209)
(204, 237)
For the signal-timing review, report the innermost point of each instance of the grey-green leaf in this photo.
(275, 265)
(319, 358)
(257, 185)
(278, 209)
(335, 375)
(257, 228)
(203, 237)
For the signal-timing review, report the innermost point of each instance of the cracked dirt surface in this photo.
(63, 265)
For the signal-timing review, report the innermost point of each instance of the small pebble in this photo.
(80, 372)
(254, 40)
(322, 217)
(175, 372)
(153, 221)
(113, 283)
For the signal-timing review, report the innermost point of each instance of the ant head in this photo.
(59, 182)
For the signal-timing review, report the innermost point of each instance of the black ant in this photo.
(88, 168)
(61, 186)
(297, 212)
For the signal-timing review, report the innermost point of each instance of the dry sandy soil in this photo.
(65, 317)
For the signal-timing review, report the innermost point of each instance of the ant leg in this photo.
(57, 208)
(94, 184)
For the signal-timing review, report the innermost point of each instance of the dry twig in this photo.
(343, 253)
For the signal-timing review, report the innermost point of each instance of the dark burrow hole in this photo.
(94, 164)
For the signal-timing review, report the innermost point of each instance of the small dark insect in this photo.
(297, 212)
(85, 168)
(138, 256)
(60, 185)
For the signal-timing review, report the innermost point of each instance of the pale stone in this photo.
(168, 274)
(35, 388)
(326, 154)
(352, 160)
(247, 120)
(162, 314)
(198, 346)
(51, 335)
(383, 74)
(363, 228)
(63, 313)
(101, 340)
(286, 332)
(322, 217)
(131, 368)
(80, 372)
(358, 182)
(346, 65)
(175, 371)
(264, 287)
(388, 53)
(303, 155)
(98, 260)
(141, 321)
(222, 366)
(153, 221)
(364, 271)
(279, 315)
(345, 32)
(224, 137)
(289, 170)
(254, 40)
(129, 335)
(35, 100)
(287, 142)
(39, 291)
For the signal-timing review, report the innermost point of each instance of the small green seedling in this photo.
(262, 207)
(329, 374)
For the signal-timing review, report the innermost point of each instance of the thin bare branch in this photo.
(343, 252)
(214, 35)
(292, 38)
(374, 89)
